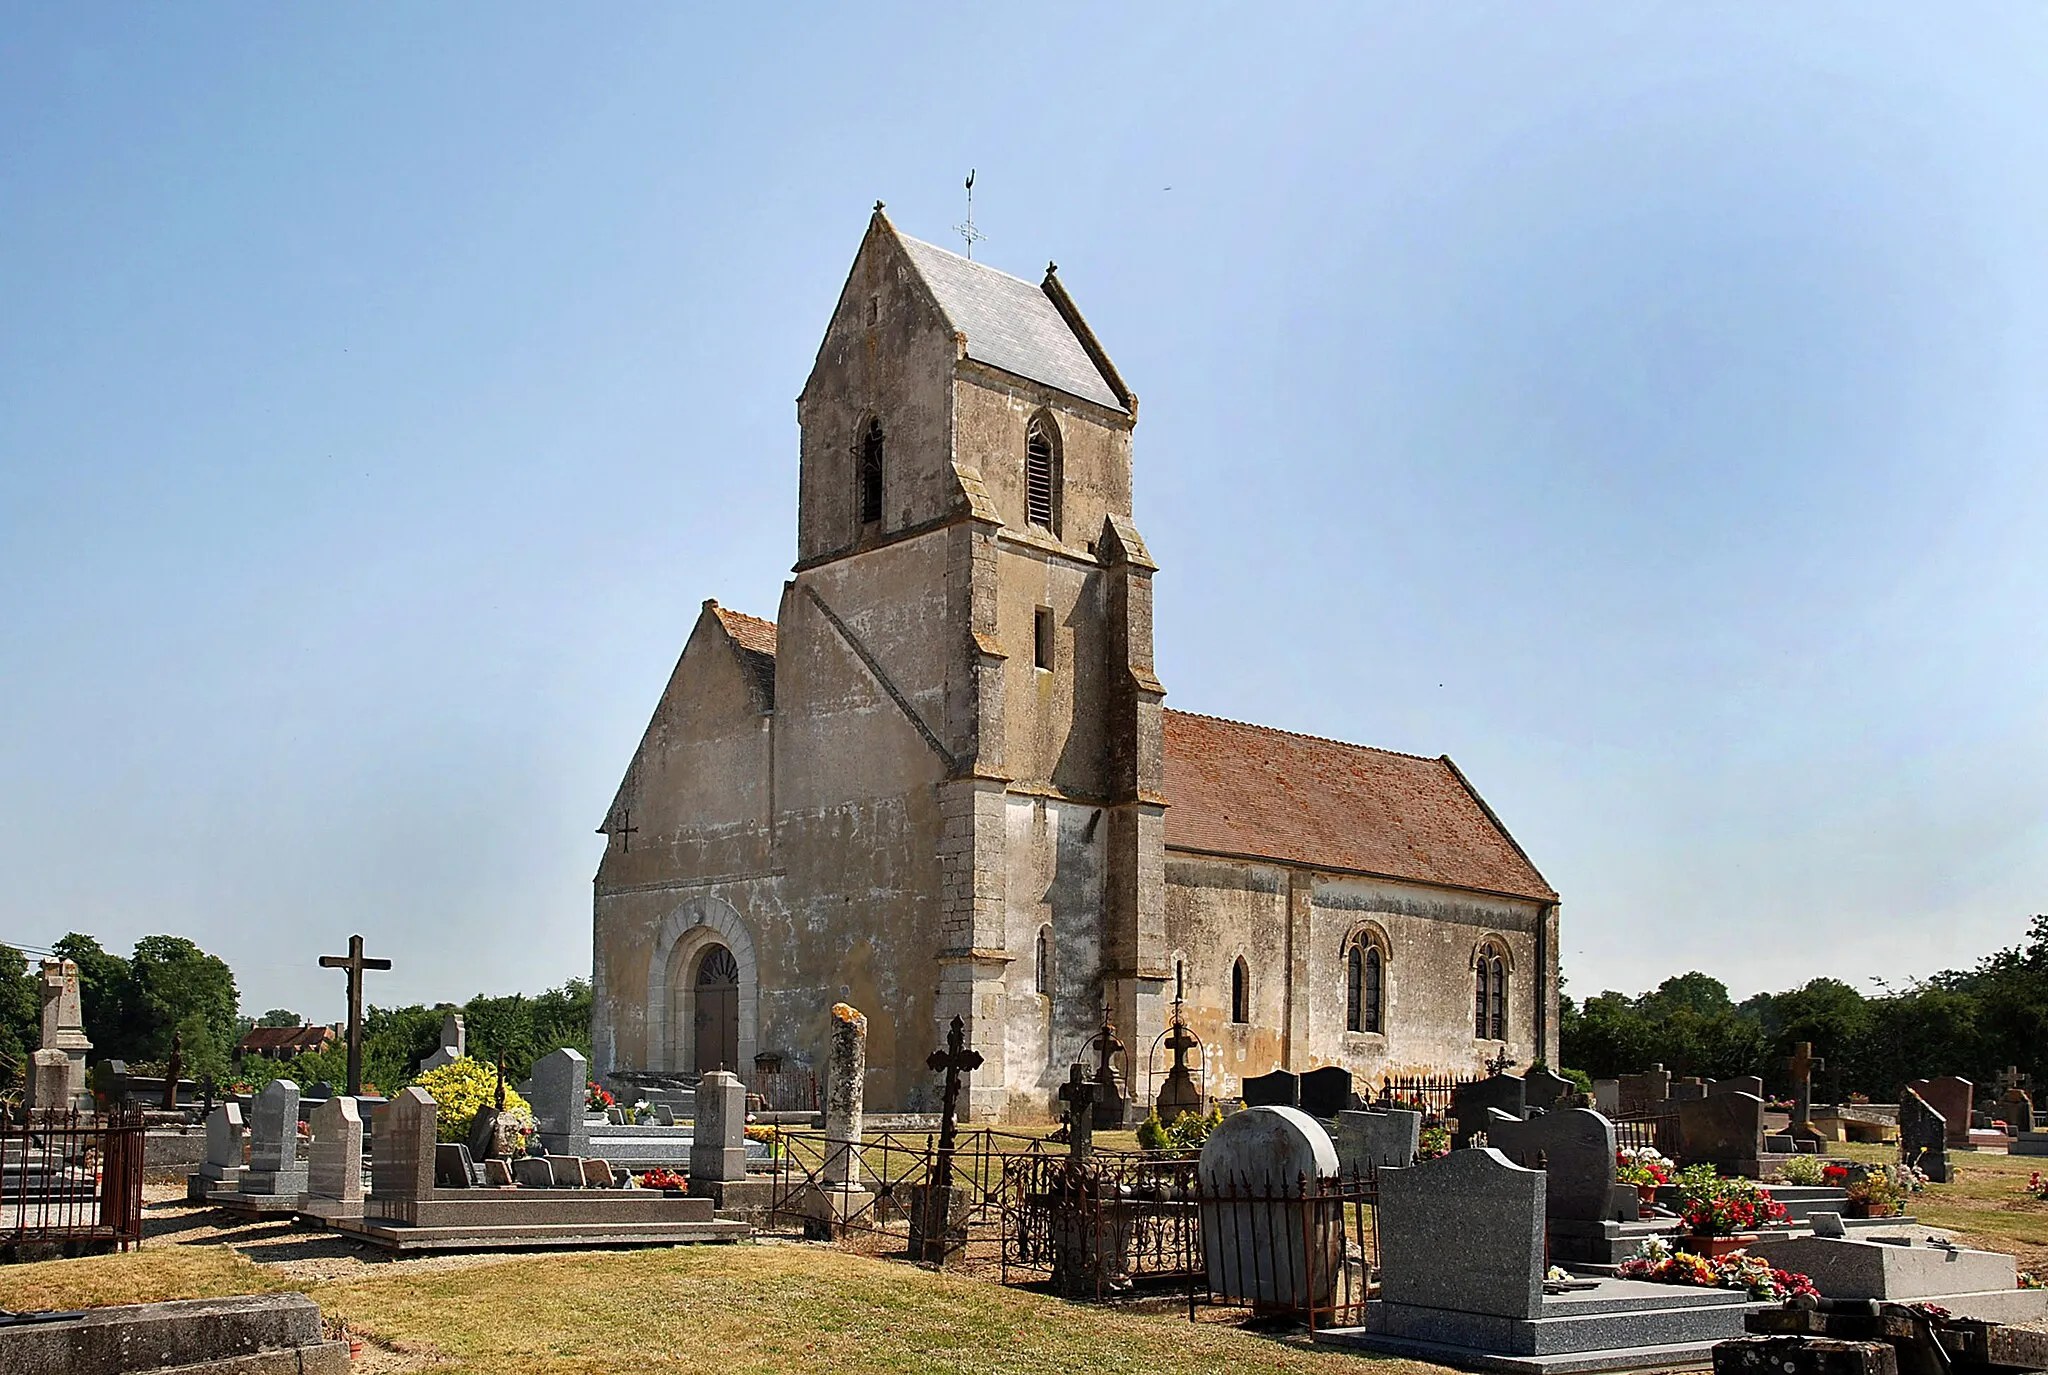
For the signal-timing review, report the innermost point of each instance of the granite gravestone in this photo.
(274, 1166)
(453, 1169)
(1262, 1248)
(402, 1151)
(533, 1172)
(1607, 1097)
(1471, 1102)
(222, 1168)
(1741, 1083)
(718, 1148)
(561, 1088)
(1725, 1130)
(1463, 1232)
(334, 1161)
(1325, 1092)
(1545, 1090)
(1688, 1090)
(1954, 1099)
(1376, 1139)
(1575, 1149)
(1923, 1136)
(1280, 1089)
(1645, 1094)
(2019, 1111)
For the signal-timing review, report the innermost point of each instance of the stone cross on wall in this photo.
(1802, 1065)
(955, 1060)
(355, 962)
(1078, 1093)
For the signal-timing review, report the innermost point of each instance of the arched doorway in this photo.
(717, 1021)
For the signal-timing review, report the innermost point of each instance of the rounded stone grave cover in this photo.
(1266, 1150)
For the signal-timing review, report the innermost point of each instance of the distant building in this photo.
(285, 1042)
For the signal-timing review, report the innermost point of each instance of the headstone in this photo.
(1645, 1094)
(561, 1086)
(452, 1166)
(484, 1138)
(718, 1150)
(1325, 1092)
(2019, 1110)
(1280, 1089)
(274, 1166)
(1112, 1095)
(533, 1172)
(402, 1147)
(1471, 1102)
(664, 1115)
(1801, 1067)
(1607, 1097)
(1179, 1093)
(498, 1172)
(1954, 1099)
(1261, 1245)
(597, 1174)
(1575, 1148)
(64, 1030)
(1742, 1083)
(1377, 1139)
(1463, 1232)
(222, 1168)
(1725, 1130)
(1078, 1093)
(1688, 1090)
(1543, 1088)
(616, 1116)
(334, 1160)
(1923, 1136)
(1827, 1225)
(49, 1084)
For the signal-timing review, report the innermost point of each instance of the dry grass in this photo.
(150, 1275)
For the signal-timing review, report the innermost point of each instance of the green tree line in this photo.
(1973, 1022)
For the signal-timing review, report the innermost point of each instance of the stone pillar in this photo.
(49, 1081)
(64, 1030)
(561, 1083)
(718, 1145)
(846, 1069)
(402, 1156)
(274, 1166)
(334, 1166)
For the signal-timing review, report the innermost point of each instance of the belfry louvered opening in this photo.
(1041, 474)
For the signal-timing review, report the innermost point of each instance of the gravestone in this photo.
(1980, 1285)
(664, 1115)
(49, 1083)
(1923, 1136)
(533, 1172)
(498, 1172)
(1688, 1090)
(718, 1149)
(1742, 1083)
(1112, 1095)
(402, 1153)
(1078, 1093)
(1607, 1097)
(1575, 1149)
(274, 1166)
(1326, 1092)
(1954, 1099)
(561, 1087)
(1725, 1130)
(454, 1043)
(2019, 1111)
(334, 1161)
(1377, 1139)
(1463, 1232)
(490, 1136)
(1280, 1089)
(224, 1163)
(597, 1174)
(1180, 1093)
(1801, 1067)
(453, 1169)
(1471, 1102)
(1261, 1245)
(1542, 1088)
(64, 1030)
(1644, 1094)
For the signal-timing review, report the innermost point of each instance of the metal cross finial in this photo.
(355, 962)
(966, 230)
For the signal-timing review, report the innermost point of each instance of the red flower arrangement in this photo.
(1717, 1207)
(659, 1178)
(2038, 1187)
(596, 1098)
(1835, 1176)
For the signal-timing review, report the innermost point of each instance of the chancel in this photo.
(943, 781)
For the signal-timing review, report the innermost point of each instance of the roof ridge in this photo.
(1304, 735)
(961, 257)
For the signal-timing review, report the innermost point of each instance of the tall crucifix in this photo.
(952, 1062)
(1801, 1066)
(355, 962)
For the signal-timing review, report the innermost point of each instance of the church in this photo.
(943, 781)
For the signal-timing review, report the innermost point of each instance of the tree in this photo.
(104, 989)
(21, 1007)
(280, 1016)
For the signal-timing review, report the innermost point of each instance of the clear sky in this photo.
(1641, 404)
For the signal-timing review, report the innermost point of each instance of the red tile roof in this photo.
(1235, 789)
(294, 1040)
(755, 640)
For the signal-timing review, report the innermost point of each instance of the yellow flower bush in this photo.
(462, 1088)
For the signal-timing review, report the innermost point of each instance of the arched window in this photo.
(1045, 960)
(1490, 994)
(871, 472)
(1042, 473)
(1365, 985)
(1240, 992)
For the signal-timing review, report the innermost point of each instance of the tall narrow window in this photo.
(1240, 992)
(1041, 638)
(1042, 474)
(1365, 984)
(1045, 960)
(1375, 989)
(1354, 987)
(1490, 994)
(871, 473)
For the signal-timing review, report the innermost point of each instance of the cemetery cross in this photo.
(1079, 1096)
(950, 1062)
(355, 962)
(1802, 1065)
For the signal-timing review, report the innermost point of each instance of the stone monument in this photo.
(222, 1169)
(841, 1191)
(1263, 1246)
(274, 1167)
(561, 1087)
(454, 1043)
(64, 1030)
(1180, 1093)
(1923, 1136)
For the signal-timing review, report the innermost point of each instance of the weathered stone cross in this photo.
(952, 1062)
(1078, 1093)
(1802, 1065)
(355, 962)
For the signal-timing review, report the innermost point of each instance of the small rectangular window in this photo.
(1042, 638)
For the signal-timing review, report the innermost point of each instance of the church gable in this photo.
(1258, 793)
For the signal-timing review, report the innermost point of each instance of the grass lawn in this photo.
(1985, 1204)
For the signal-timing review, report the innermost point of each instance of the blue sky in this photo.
(1639, 404)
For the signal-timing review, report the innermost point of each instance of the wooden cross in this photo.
(952, 1062)
(1802, 1065)
(355, 962)
(1078, 1093)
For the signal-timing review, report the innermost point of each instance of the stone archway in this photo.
(685, 946)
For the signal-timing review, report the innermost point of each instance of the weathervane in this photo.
(967, 230)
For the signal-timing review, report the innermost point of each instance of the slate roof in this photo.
(1010, 323)
(1235, 789)
(754, 638)
(285, 1041)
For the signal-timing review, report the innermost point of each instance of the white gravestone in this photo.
(454, 1043)
(1266, 1237)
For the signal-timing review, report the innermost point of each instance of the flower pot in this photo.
(1713, 1248)
(355, 1348)
(1863, 1207)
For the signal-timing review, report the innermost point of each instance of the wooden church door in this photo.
(718, 1011)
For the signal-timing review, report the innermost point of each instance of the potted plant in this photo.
(1881, 1190)
(1719, 1214)
(1646, 1169)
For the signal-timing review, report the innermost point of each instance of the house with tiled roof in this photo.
(943, 781)
(283, 1042)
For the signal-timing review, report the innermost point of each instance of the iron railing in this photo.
(71, 1179)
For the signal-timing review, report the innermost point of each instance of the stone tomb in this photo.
(1377, 1138)
(1461, 1250)
(406, 1211)
(1970, 1284)
(1923, 1136)
(1261, 1244)
(274, 1181)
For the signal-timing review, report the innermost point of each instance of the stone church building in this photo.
(943, 781)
